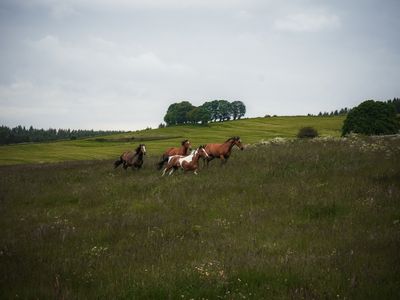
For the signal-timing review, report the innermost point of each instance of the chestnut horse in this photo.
(223, 151)
(132, 159)
(187, 163)
(182, 150)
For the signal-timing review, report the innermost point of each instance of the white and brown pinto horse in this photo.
(133, 159)
(182, 150)
(187, 163)
(223, 151)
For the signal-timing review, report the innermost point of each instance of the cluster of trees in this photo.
(373, 118)
(211, 111)
(20, 134)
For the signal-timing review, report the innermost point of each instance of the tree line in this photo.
(344, 111)
(21, 134)
(211, 111)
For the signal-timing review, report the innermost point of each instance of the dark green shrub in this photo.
(307, 132)
(370, 118)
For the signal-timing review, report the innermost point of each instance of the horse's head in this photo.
(202, 151)
(238, 142)
(186, 144)
(142, 148)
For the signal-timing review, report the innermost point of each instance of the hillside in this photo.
(156, 140)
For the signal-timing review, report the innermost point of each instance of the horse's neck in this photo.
(229, 144)
(196, 158)
(188, 158)
(184, 149)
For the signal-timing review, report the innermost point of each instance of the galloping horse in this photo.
(132, 159)
(187, 163)
(182, 150)
(223, 151)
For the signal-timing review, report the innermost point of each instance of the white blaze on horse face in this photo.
(205, 152)
(144, 149)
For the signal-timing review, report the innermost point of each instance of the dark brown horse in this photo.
(133, 159)
(223, 151)
(182, 150)
(187, 163)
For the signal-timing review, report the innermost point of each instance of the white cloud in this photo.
(305, 22)
(93, 82)
(97, 57)
(65, 7)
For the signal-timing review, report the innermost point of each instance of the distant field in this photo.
(156, 140)
(299, 219)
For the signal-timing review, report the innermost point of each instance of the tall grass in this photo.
(300, 219)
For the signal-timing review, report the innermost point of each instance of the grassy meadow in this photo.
(157, 140)
(283, 219)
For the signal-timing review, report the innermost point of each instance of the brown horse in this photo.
(182, 150)
(223, 151)
(133, 159)
(187, 163)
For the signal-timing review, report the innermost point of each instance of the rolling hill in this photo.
(156, 140)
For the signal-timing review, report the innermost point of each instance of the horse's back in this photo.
(213, 149)
(128, 156)
(174, 160)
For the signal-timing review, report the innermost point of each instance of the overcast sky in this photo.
(118, 64)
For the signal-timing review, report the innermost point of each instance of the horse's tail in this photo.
(118, 162)
(161, 163)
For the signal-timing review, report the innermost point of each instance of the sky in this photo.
(119, 64)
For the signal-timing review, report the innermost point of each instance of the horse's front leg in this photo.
(208, 159)
(172, 171)
(164, 171)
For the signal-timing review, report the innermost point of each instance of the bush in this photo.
(371, 118)
(307, 132)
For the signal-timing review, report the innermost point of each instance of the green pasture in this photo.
(285, 219)
(157, 140)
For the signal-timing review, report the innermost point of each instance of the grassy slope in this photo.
(250, 130)
(312, 219)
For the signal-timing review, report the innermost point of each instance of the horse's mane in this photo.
(234, 138)
(184, 142)
(137, 150)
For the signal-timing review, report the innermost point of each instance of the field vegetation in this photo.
(283, 219)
